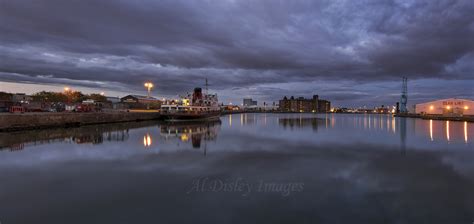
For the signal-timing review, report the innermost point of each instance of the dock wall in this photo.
(437, 117)
(11, 122)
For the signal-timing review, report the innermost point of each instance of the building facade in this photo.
(302, 104)
(248, 102)
(446, 107)
(324, 106)
(140, 102)
(299, 104)
(21, 98)
(113, 99)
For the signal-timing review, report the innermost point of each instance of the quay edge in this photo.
(437, 117)
(29, 121)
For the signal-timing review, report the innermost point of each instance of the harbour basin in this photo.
(251, 167)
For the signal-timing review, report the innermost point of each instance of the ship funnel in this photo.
(197, 95)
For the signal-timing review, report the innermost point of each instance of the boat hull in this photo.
(190, 117)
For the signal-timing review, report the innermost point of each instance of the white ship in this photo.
(195, 106)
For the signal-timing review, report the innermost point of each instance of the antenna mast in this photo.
(404, 96)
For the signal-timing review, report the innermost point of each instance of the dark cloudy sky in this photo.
(353, 53)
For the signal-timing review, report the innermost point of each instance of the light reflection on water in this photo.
(147, 140)
(355, 169)
(338, 128)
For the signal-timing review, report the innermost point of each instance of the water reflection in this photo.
(344, 165)
(302, 122)
(382, 129)
(197, 131)
(248, 119)
(444, 131)
(447, 130)
(431, 130)
(147, 140)
(465, 131)
(193, 132)
(403, 134)
(96, 134)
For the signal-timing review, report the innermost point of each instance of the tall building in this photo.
(299, 104)
(248, 102)
(324, 106)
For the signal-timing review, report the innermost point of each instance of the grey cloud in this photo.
(236, 43)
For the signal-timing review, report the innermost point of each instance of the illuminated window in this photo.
(449, 107)
(465, 107)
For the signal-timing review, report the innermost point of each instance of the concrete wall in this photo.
(42, 120)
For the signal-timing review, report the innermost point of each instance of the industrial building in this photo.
(324, 106)
(447, 107)
(248, 102)
(140, 102)
(302, 104)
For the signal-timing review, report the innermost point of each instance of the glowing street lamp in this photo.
(149, 86)
(67, 90)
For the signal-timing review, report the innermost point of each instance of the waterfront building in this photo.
(113, 99)
(5, 101)
(138, 99)
(446, 107)
(302, 104)
(228, 108)
(21, 98)
(383, 110)
(140, 102)
(248, 102)
(324, 106)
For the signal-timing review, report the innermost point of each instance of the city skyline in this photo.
(351, 53)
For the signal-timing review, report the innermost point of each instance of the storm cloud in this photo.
(345, 51)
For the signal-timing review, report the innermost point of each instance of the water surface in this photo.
(245, 168)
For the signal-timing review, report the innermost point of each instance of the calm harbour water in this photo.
(245, 168)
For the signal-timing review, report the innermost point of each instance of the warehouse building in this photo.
(447, 107)
(302, 104)
(140, 102)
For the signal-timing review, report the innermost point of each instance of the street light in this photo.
(67, 92)
(149, 85)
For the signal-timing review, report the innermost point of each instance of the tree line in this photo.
(69, 96)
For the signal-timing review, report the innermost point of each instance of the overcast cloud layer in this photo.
(350, 52)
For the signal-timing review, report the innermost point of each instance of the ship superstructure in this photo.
(193, 106)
